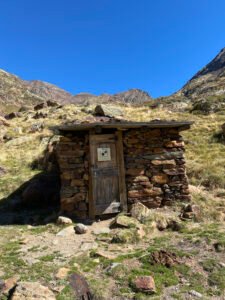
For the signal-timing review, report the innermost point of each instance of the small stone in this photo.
(195, 294)
(163, 162)
(145, 284)
(81, 228)
(62, 273)
(64, 221)
(161, 178)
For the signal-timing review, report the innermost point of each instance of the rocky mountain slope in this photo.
(15, 92)
(203, 93)
(209, 81)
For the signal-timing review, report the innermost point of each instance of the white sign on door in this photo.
(104, 154)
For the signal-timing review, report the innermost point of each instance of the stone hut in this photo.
(105, 167)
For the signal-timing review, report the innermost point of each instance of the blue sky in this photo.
(107, 46)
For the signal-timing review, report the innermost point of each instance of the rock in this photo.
(62, 273)
(140, 212)
(64, 221)
(145, 284)
(125, 222)
(87, 246)
(160, 178)
(195, 294)
(107, 111)
(40, 106)
(163, 162)
(32, 291)
(165, 258)
(40, 115)
(103, 230)
(80, 287)
(80, 228)
(126, 236)
(68, 231)
(191, 211)
(12, 115)
(51, 103)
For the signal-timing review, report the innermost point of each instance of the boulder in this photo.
(81, 228)
(40, 106)
(140, 212)
(107, 111)
(165, 258)
(130, 235)
(12, 115)
(51, 103)
(144, 284)
(125, 222)
(32, 291)
(68, 231)
(64, 221)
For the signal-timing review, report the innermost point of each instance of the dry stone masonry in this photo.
(72, 153)
(154, 169)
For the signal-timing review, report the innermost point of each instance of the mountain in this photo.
(209, 81)
(16, 92)
(203, 93)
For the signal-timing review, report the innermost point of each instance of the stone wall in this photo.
(155, 167)
(72, 153)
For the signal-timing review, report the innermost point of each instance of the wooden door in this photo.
(104, 175)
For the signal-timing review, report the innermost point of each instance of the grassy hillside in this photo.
(36, 253)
